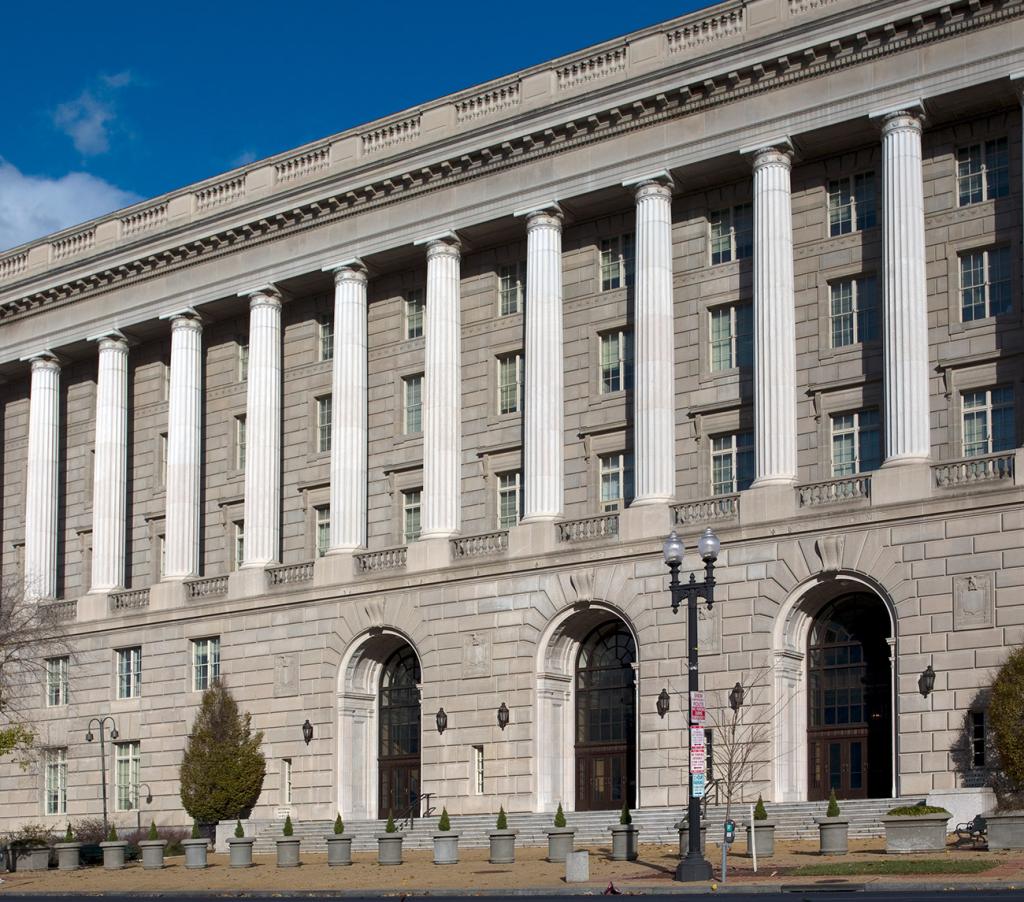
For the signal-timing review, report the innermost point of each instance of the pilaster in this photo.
(42, 491)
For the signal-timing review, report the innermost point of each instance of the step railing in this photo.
(953, 474)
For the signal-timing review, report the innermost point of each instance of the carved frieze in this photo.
(286, 676)
(476, 655)
(973, 602)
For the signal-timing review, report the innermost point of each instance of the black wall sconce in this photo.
(736, 697)
(503, 715)
(442, 720)
(663, 703)
(926, 682)
(307, 731)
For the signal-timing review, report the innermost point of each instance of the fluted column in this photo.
(348, 414)
(543, 415)
(184, 448)
(442, 400)
(774, 320)
(905, 292)
(654, 348)
(41, 486)
(110, 471)
(263, 430)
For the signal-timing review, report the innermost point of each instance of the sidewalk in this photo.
(652, 872)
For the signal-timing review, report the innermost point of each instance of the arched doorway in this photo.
(399, 733)
(849, 700)
(606, 719)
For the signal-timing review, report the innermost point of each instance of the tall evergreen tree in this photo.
(223, 768)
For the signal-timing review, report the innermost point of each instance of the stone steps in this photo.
(793, 820)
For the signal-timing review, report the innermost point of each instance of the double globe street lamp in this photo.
(694, 867)
(101, 723)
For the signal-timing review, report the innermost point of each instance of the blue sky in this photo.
(106, 103)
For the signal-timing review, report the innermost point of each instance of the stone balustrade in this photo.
(835, 491)
(972, 470)
(589, 528)
(484, 545)
(290, 574)
(129, 600)
(379, 561)
(207, 587)
(724, 507)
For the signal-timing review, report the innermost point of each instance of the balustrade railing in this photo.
(605, 526)
(207, 587)
(479, 546)
(724, 507)
(60, 611)
(378, 561)
(972, 470)
(129, 600)
(835, 491)
(290, 574)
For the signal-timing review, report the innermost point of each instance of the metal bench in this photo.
(975, 831)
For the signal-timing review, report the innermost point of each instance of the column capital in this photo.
(184, 318)
(443, 244)
(43, 359)
(656, 184)
(909, 115)
(111, 340)
(544, 216)
(351, 270)
(775, 152)
(1017, 82)
(266, 295)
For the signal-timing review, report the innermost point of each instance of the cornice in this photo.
(698, 95)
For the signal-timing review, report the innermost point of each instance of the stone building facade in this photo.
(397, 423)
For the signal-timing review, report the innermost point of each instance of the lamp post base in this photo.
(693, 869)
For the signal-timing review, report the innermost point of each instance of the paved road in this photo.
(797, 894)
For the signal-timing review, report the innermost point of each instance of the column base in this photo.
(645, 521)
(249, 582)
(168, 594)
(431, 553)
(334, 568)
(901, 480)
(768, 501)
(534, 538)
(94, 606)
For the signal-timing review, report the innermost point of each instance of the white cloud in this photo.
(85, 121)
(32, 206)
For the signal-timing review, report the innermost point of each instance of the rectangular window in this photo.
(323, 424)
(985, 284)
(243, 362)
(205, 663)
(325, 339)
(126, 775)
(323, 529)
(237, 544)
(853, 311)
(508, 499)
(851, 204)
(732, 463)
(978, 738)
(510, 383)
(616, 262)
(161, 554)
(240, 442)
(129, 672)
(856, 443)
(616, 481)
(161, 444)
(286, 781)
(414, 308)
(478, 769)
(412, 404)
(411, 501)
(616, 361)
(56, 682)
(732, 336)
(732, 234)
(511, 288)
(56, 781)
(982, 172)
(988, 421)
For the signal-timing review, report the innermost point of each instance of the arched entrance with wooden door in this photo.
(399, 733)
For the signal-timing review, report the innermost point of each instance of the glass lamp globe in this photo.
(708, 545)
(673, 549)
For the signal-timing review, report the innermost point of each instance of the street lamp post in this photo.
(138, 806)
(694, 867)
(101, 724)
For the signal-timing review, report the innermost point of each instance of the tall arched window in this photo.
(399, 752)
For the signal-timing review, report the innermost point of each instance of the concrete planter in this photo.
(339, 849)
(924, 833)
(560, 843)
(67, 856)
(625, 842)
(113, 854)
(764, 837)
(30, 858)
(833, 835)
(389, 848)
(446, 848)
(152, 853)
(683, 827)
(288, 852)
(1005, 830)
(240, 851)
(503, 846)
(195, 853)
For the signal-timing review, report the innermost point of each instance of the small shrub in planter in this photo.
(915, 828)
(240, 848)
(560, 839)
(764, 831)
(625, 837)
(288, 846)
(503, 840)
(389, 844)
(195, 848)
(113, 850)
(152, 849)
(68, 852)
(446, 843)
(29, 848)
(339, 846)
(833, 830)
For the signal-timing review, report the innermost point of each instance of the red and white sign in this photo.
(697, 737)
(698, 713)
(698, 759)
